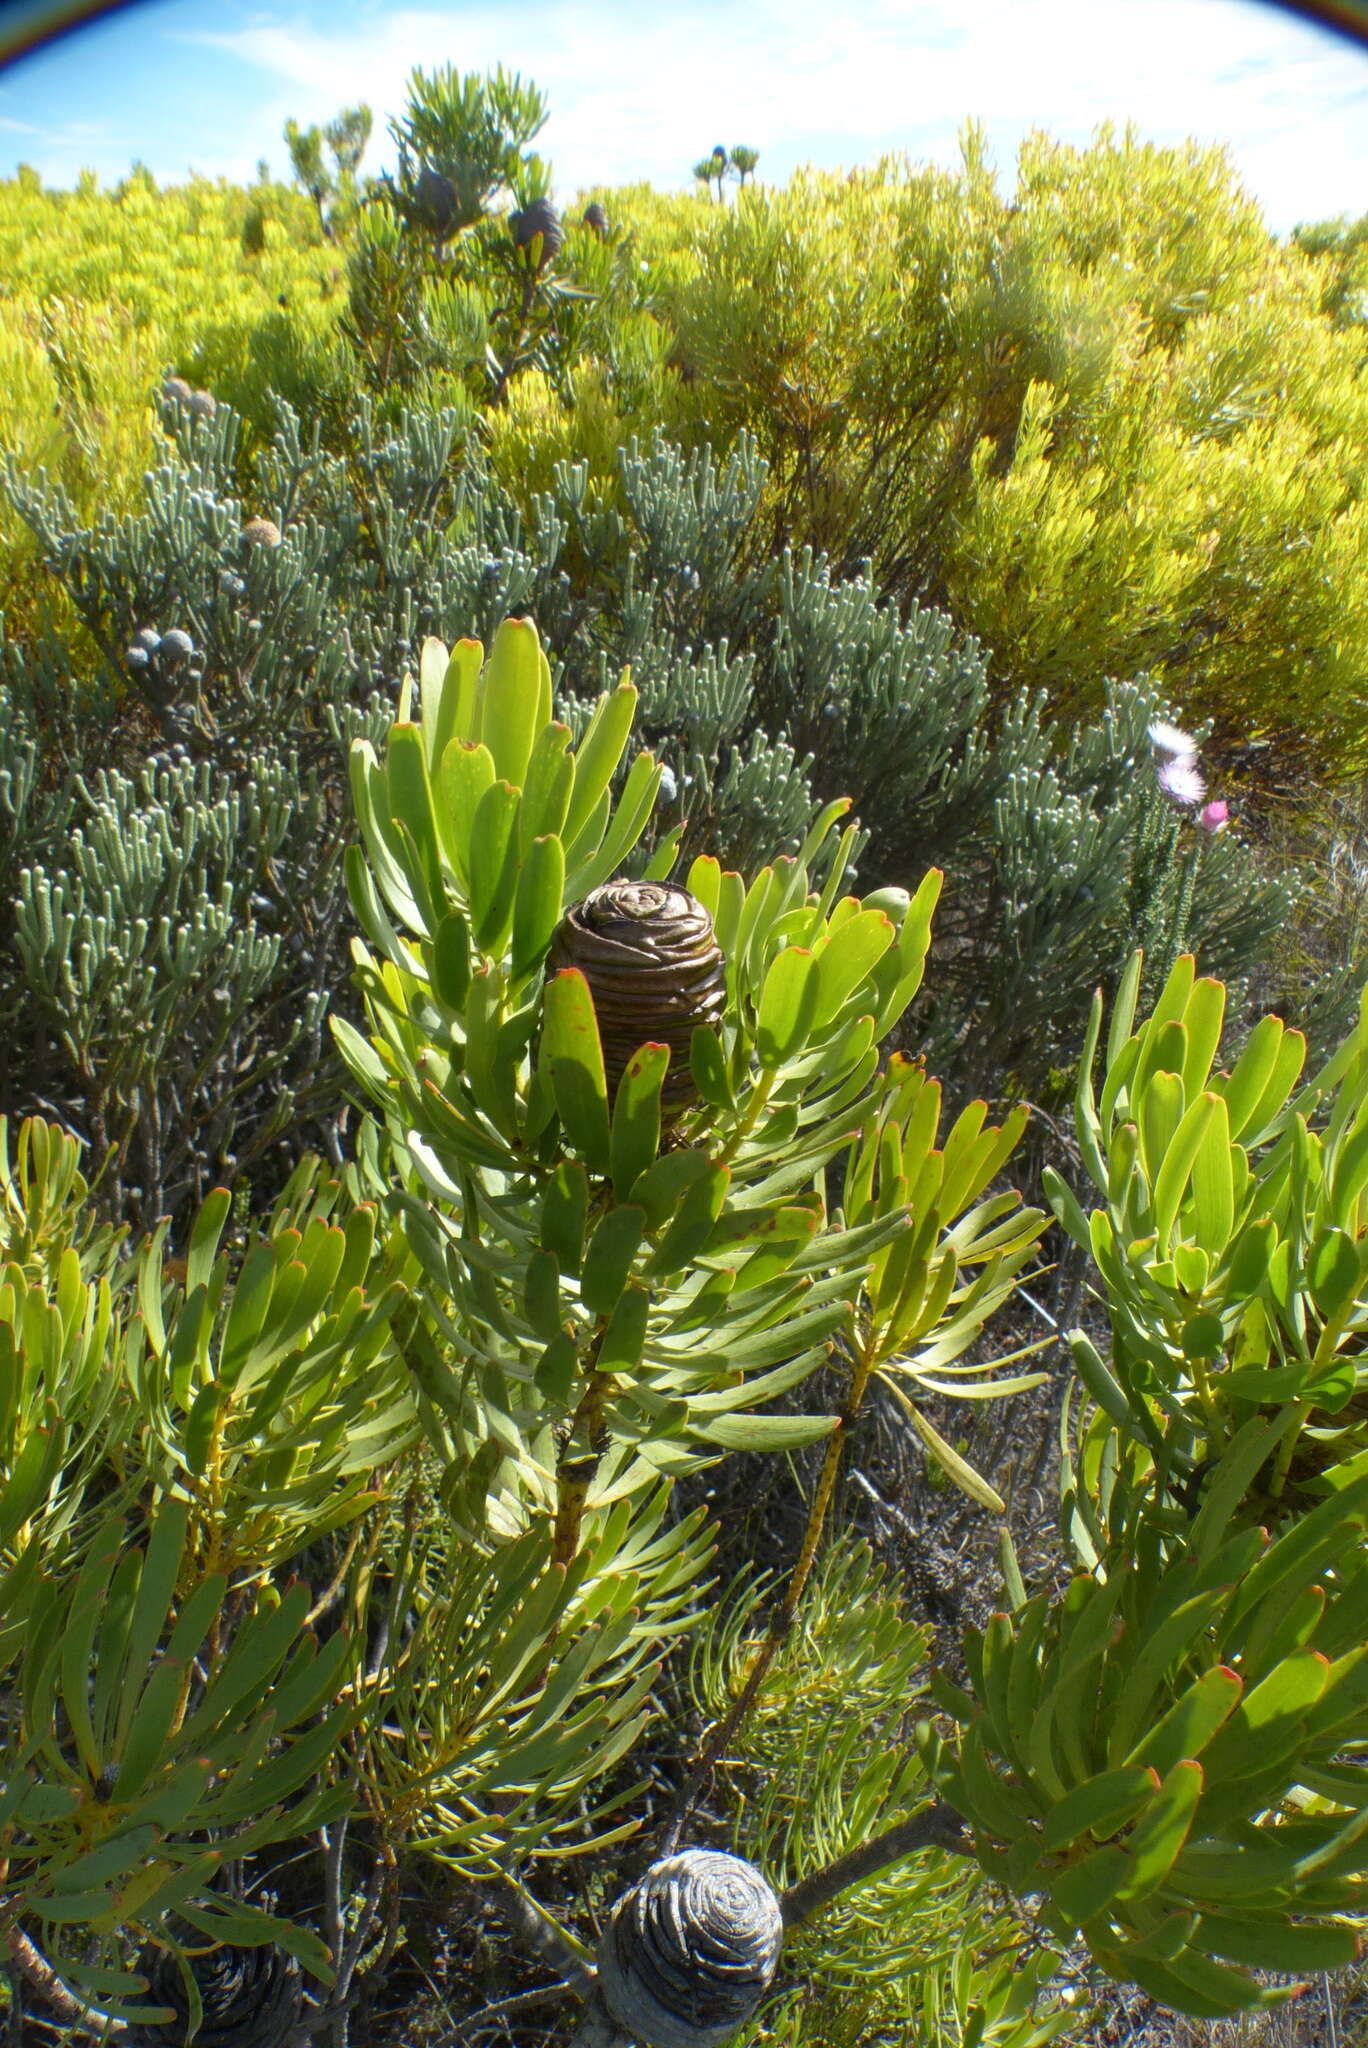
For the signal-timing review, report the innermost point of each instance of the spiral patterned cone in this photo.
(252, 1998)
(655, 972)
(540, 218)
(690, 1950)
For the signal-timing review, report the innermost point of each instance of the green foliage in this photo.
(635, 1315)
(1101, 418)
(827, 1759)
(104, 290)
(769, 686)
(331, 188)
(1171, 1754)
(1231, 1241)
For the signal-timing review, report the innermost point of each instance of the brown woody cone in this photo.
(655, 972)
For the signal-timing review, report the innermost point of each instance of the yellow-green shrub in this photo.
(104, 292)
(1106, 419)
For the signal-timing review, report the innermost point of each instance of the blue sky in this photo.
(640, 91)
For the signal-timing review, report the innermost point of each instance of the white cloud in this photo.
(641, 94)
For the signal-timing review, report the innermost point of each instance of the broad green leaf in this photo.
(412, 807)
(460, 693)
(1213, 1185)
(1158, 1836)
(636, 1117)
(541, 1294)
(1191, 1722)
(565, 1209)
(448, 961)
(788, 1003)
(625, 1338)
(1100, 1807)
(556, 1370)
(663, 1185)
(608, 1257)
(846, 959)
(693, 1223)
(466, 773)
(538, 903)
(708, 1065)
(1172, 1179)
(511, 699)
(1203, 1019)
(573, 1054)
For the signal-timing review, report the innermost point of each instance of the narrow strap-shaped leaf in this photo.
(547, 788)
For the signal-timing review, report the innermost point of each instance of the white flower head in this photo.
(1171, 743)
(1181, 781)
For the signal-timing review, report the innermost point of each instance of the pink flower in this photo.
(1181, 781)
(1214, 816)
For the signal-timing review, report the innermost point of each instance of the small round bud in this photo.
(148, 638)
(137, 657)
(201, 405)
(175, 648)
(669, 788)
(597, 219)
(176, 390)
(261, 533)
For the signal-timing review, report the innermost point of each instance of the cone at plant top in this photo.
(655, 972)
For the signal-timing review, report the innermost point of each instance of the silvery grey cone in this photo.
(690, 1950)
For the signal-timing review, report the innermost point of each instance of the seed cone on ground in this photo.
(654, 969)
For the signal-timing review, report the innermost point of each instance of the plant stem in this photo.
(726, 1728)
(935, 1827)
(38, 1972)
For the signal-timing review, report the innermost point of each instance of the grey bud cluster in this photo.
(201, 405)
(162, 655)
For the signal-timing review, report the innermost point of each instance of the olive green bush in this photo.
(1103, 417)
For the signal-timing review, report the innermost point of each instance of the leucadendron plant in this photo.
(656, 1172)
(1171, 1758)
(640, 1140)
